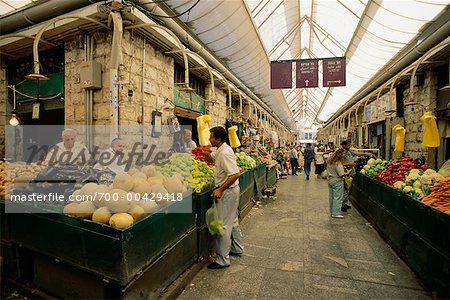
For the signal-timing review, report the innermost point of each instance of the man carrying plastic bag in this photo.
(226, 197)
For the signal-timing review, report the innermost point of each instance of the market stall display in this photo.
(439, 197)
(245, 161)
(372, 167)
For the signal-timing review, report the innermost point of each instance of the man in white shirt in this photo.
(68, 152)
(226, 195)
(112, 158)
(189, 144)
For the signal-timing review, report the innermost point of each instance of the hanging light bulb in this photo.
(14, 121)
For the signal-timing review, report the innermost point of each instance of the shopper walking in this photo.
(309, 157)
(319, 162)
(226, 194)
(293, 156)
(350, 164)
(336, 173)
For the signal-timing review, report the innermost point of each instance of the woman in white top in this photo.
(319, 162)
(336, 174)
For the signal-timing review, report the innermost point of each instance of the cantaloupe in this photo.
(74, 197)
(143, 188)
(155, 180)
(148, 206)
(123, 181)
(139, 175)
(150, 171)
(89, 189)
(84, 209)
(173, 185)
(70, 209)
(160, 189)
(102, 215)
(132, 171)
(136, 212)
(133, 198)
(121, 221)
(118, 201)
(99, 198)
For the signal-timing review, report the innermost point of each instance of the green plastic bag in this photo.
(348, 183)
(214, 219)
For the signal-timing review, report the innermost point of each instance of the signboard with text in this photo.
(334, 72)
(307, 74)
(378, 110)
(281, 75)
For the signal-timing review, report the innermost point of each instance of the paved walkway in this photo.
(295, 250)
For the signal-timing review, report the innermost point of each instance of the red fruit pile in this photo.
(200, 154)
(396, 170)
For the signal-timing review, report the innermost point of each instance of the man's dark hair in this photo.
(345, 143)
(219, 133)
(308, 144)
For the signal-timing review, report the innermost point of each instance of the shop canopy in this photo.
(248, 34)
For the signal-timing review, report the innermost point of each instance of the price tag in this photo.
(36, 108)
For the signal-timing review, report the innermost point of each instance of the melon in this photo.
(155, 180)
(149, 170)
(159, 189)
(102, 215)
(140, 175)
(136, 212)
(133, 198)
(74, 197)
(89, 189)
(143, 188)
(118, 201)
(132, 171)
(85, 209)
(121, 221)
(70, 209)
(173, 185)
(148, 206)
(123, 181)
(99, 198)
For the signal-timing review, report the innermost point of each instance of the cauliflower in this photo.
(412, 176)
(426, 179)
(419, 192)
(417, 184)
(414, 171)
(430, 172)
(399, 185)
(408, 189)
(436, 176)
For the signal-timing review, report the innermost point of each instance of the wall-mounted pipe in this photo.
(44, 28)
(38, 12)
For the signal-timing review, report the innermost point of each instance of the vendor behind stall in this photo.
(68, 152)
(112, 158)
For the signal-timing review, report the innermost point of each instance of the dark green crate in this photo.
(105, 251)
(205, 243)
(67, 281)
(259, 175)
(271, 174)
(426, 221)
(202, 202)
(414, 230)
(247, 187)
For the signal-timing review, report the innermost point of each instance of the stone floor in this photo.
(293, 249)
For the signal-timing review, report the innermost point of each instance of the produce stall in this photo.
(394, 197)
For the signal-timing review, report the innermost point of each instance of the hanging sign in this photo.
(307, 74)
(280, 75)
(334, 72)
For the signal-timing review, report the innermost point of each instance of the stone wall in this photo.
(218, 109)
(426, 95)
(157, 72)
